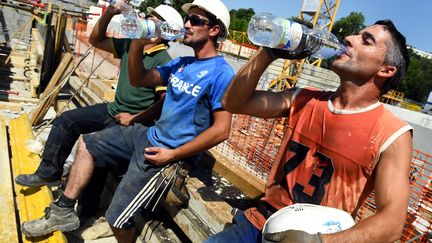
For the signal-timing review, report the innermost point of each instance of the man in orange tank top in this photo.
(339, 146)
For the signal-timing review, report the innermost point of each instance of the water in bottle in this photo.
(275, 32)
(124, 7)
(131, 26)
(130, 23)
(148, 29)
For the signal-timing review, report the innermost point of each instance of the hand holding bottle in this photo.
(122, 6)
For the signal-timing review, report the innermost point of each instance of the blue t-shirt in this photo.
(195, 88)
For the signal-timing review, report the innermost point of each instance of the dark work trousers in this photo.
(65, 131)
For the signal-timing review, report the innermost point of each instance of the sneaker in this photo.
(56, 218)
(33, 180)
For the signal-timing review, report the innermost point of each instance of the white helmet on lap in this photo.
(215, 7)
(308, 218)
(168, 13)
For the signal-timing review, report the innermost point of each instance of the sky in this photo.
(412, 18)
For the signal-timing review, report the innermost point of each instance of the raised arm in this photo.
(242, 98)
(98, 36)
(140, 76)
(391, 197)
(212, 136)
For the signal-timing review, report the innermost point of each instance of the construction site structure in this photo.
(320, 14)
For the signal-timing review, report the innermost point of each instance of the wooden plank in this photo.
(205, 215)
(36, 47)
(86, 96)
(102, 90)
(13, 107)
(31, 201)
(17, 99)
(60, 71)
(240, 178)
(8, 226)
(51, 90)
(66, 43)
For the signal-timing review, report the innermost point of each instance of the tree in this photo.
(348, 25)
(417, 82)
(149, 3)
(154, 3)
(240, 19)
(177, 4)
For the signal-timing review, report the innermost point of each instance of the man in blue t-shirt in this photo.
(192, 120)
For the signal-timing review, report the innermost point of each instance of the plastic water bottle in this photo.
(276, 32)
(124, 7)
(149, 29)
(130, 22)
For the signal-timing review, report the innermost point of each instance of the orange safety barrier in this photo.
(80, 29)
(254, 143)
(418, 224)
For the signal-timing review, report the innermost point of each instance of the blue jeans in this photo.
(65, 131)
(242, 231)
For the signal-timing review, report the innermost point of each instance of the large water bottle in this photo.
(148, 29)
(124, 7)
(275, 32)
(130, 23)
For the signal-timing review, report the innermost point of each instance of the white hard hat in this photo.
(168, 13)
(309, 218)
(215, 7)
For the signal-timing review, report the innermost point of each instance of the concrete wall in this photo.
(11, 21)
(410, 116)
(15, 22)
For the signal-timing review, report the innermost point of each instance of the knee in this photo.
(82, 148)
(63, 120)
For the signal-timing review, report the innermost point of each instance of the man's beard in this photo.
(194, 43)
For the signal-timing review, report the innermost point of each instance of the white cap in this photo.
(215, 7)
(168, 13)
(309, 218)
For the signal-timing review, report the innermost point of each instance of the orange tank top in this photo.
(328, 155)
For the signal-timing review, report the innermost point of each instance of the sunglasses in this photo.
(195, 20)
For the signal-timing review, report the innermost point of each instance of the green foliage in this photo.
(240, 19)
(149, 3)
(417, 82)
(154, 3)
(348, 25)
(177, 4)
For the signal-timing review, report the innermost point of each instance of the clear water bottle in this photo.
(130, 22)
(148, 29)
(124, 7)
(276, 32)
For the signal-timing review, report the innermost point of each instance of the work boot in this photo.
(33, 180)
(56, 218)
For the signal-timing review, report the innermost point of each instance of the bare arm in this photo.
(138, 75)
(98, 36)
(391, 196)
(242, 98)
(215, 134)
